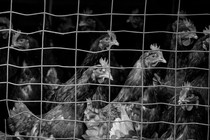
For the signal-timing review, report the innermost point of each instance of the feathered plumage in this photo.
(136, 22)
(187, 111)
(199, 59)
(90, 23)
(141, 71)
(103, 43)
(117, 112)
(59, 128)
(29, 90)
(182, 41)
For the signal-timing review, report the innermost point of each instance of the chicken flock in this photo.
(103, 99)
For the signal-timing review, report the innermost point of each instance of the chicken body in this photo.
(52, 126)
(103, 43)
(198, 72)
(184, 40)
(188, 111)
(118, 112)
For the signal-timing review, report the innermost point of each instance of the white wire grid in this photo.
(43, 31)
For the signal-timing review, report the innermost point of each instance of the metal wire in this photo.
(142, 78)
(76, 43)
(76, 49)
(177, 30)
(7, 85)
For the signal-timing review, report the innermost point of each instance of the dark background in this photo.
(198, 11)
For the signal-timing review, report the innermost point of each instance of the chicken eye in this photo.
(154, 55)
(21, 40)
(89, 20)
(106, 39)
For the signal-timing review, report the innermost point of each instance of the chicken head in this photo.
(153, 57)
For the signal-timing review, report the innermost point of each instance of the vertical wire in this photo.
(8, 56)
(110, 28)
(175, 84)
(42, 53)
(5, 127)
(75, 65)
(142, 78)
(208, 96)
(7, 71)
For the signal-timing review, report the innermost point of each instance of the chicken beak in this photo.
(163, 60)
(115, 42)
(82, 23)
(107, 75)
(195, 36)
(128, 20)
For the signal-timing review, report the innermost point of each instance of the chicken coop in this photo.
(105, 69)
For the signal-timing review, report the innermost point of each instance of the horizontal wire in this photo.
(110, 103)
(114, 31)
(115, 14)
(104, 121)
(103, 14)
(112, 67)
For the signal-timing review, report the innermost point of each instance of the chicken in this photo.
(143, 115)
(21, 119)
(102, 43)
(29, 90)
(52, 79)
(118, 112)
(24, 42)
(95, 74)
(125, 119)
(63, 93)
(188, 111)
(4, 24)
(98, 126)
(184, 41)
(198, 72)
(90, 23)
(136, 21)
(66, 25)
(141, 70)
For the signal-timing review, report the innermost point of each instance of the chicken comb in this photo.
(182, 14)
(24, 63)
(187, 22)
(154, 47)
(206, 31)
(15, 36)
(87, 11)
(135, 11)
(111, 34)
(104, 63)
(187, 85)
(185, 88)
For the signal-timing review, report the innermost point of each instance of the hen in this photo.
(182, 41)
(90, 23)
(102, 43)
(95, 74)
(118, 112)
(142, 70)
(29, 90)
(197, 73)
(4, 24)
(136, 22)
(24, 56)
(188, 112)
(89, 26)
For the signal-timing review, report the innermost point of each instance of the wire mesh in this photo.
(32, 18)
